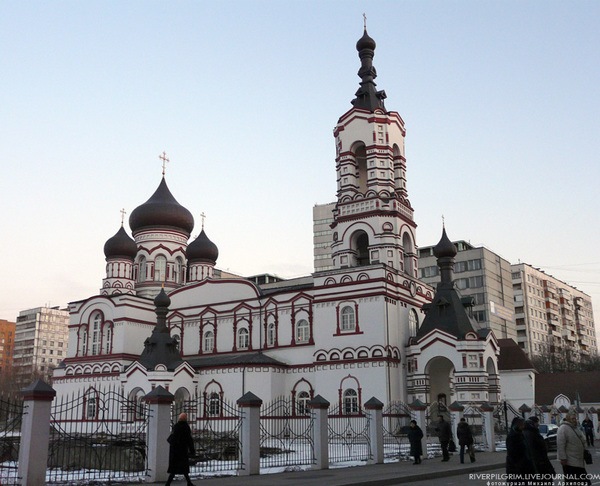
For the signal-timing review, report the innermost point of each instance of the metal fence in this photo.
(216, 433)
(503, 414)
(286, 434)
(348, 436)
(11, 412)
(396, 421)
(97, 436)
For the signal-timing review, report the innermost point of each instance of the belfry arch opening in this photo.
(360, 155)
(360, 245)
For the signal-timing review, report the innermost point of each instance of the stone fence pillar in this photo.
(456, 413)
(250, 432)
(374, 409)
(35, 433)
(159, 428)
(320, 408)
(420, 413)
(487, 411)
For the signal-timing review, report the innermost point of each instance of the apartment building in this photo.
(483, 275)
(323, 236)
(7, 342)
(41, 338)
(552, 317)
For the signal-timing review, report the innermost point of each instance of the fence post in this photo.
(420, 411)
(546, 419)
(456, 411)
(488, 419)
(374, 409)
(35, 433)
(159, 428)
(320, 407)
(250, 431)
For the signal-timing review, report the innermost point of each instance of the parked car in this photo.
(548, 432)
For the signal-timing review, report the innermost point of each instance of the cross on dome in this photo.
(164, 159)
(123, 213)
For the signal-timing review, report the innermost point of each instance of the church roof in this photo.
(367, 96)
(579, 384)
(120, 245)
(238, 359)
(162, 209)
(512, 356)
(202, 248)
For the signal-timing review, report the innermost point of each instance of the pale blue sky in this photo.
(501, 101)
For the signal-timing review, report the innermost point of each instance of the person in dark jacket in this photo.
(181, 444)
(537, 450)
(415, 434)
(465, 439)
(588, 428)
(444, 434)
(518, 461)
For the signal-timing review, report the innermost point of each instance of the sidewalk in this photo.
(373, 475)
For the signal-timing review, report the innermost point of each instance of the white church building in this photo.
(368, 327)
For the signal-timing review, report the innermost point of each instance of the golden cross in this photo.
(365, 20)
(443, 221)
(164, 159)
(203, 216)
(123, 213)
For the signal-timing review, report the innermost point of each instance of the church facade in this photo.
(364, 327)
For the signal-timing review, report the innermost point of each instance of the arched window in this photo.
(302, 403)
(243, 338)
(108, 338)
(160, 268)
(214, 405)
(91, 405)
(271, 334)
(83, 340)
(302, 331)
(350, 401)
(96, 333)
(178, 277)
(413, 323)
(361, 162)
(348, 319)
(407, 246)
(362, 249)
(177, 339)
(143, 269)
(209, 342)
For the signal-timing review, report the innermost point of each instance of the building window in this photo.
(350, 402)
(302, 331)
(348, 319)
(209, 342)
(143, 269)
(178, 270)
(243, 339)
(108, 337)
(160, 268)
(214, 405)
(91, 405)
(271, 334)
(413, 322)
(302, 403)
(96, 326)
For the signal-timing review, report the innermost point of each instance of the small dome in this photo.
(162, 209)
(162, 299)
(445, 248)
(365, 42)
(202, 249)
(120, 245)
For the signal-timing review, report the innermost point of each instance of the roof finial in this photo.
(164, 159)
(123, 213)
(443, 222)
(365, 21)
(203, 216)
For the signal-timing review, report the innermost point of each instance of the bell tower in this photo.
(373, 218)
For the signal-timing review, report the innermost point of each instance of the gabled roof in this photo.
(256, 358)
(586, 384)
(512, 357)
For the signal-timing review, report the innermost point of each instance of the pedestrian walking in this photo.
(465, 439)
(415, 434)
(181, 445)
(536, 446)
(444, 435)
(570, 443)
(588, 428)
(518, 461)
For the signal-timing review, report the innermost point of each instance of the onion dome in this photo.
(162, 299)
(445, 248)
(202, 249)
(161, 209)
(365, 42)
(120, 245)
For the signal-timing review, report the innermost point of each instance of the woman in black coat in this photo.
(415, 434)
(180, 445)
(518, 461)
(537, 449)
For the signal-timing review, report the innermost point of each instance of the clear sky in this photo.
(501, 101)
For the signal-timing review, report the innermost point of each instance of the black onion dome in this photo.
(162, 209)
(445, 248)
(365, 42)
(162, 299)
(202, 249)
(120, 245)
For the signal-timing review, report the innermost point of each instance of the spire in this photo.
(367, 96)
(160, 347)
